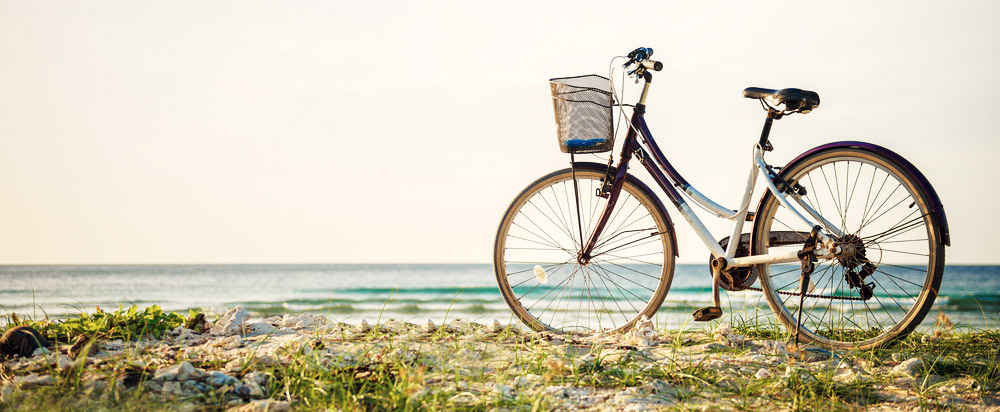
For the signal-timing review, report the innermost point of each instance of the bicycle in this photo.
(837, 269)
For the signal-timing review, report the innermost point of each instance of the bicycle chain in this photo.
(811, 295)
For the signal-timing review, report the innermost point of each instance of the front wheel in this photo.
(882, 289)
(538, 245)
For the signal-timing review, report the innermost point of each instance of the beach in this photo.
(307, 362)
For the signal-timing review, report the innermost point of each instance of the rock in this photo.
(459, 325)
(85, 346)
(303, 320)
(249, 390)
(113, 345)
(762, 373)
(21, 341)
(503, 391)
(497, 326)
(715, 346)
(63, 363)
(231, 322)
(33, 380)
(190, 387)
(172, 388)
(264, 405)
(430, 326)
(181, 372)
(258, 377)
(846, 375)
(94, 386)
(774, 347)
(231, 342)
(910, 367)
(816, 355)
(364, 326)
(656, 387)
(216, 378)
(897, 357)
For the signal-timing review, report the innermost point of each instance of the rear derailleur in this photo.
(856, 266)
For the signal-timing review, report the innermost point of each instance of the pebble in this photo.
(762, 373)
(258, 328)
(910, 367)
(33, 380)
(180, 372)
(216, 378)
(264, 405)
(64, 363)
(503, 391)
(231, 322)
(303, 320)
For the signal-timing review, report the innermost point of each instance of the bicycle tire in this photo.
(899, 233)
(616, 289)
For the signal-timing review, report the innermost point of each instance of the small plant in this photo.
(125, 324)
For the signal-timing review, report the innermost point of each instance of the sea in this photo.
(350, 293)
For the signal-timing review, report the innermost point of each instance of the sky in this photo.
(399, 131)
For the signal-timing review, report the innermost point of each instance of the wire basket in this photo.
(583, 113)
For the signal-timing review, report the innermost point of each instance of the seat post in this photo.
(772, 115)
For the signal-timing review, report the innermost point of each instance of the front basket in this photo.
(583, 113)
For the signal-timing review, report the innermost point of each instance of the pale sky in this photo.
(399, 131)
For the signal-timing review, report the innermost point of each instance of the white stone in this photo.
(503, 391)
(364, 326)
(497, 326)
(180, 372)
(264, 405)
(762, 373)
(231, 342)
(774, 347)
(231, 322)
(303, 320)
(910, 367)
(64, 363)
(33, 380)
(429, 326)
(258, 328)
(172, 388)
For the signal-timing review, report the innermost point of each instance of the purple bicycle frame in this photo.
(629, 148)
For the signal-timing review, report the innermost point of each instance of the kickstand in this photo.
(808, 259)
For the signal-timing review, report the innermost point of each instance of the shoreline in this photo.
(306, 362)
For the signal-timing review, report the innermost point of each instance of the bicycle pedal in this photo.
(706, 314)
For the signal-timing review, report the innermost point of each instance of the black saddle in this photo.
(803, 101)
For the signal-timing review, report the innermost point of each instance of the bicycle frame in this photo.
(667, 177)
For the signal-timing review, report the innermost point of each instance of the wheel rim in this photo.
(879, 213)
(627, 276)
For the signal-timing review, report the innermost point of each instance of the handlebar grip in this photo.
(652, 65)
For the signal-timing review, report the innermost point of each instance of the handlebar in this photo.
(652, 64)
(641, 57)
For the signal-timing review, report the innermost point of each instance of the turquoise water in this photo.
(970, 295)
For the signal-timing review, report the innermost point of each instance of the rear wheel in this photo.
(538, 244)
(885, 287)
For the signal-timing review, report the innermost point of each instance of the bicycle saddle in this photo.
(803, 101)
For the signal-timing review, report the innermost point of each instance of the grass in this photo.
(474, 367)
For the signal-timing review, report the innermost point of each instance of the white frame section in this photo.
(739, 219)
